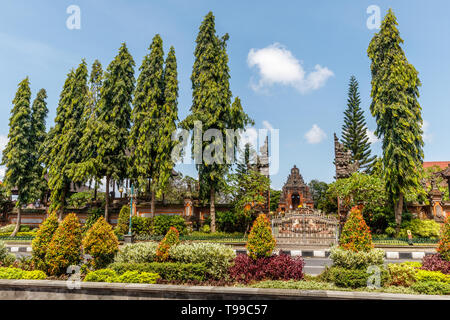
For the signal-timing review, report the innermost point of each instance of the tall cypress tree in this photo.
(114, 113)
(38, 135)
(212, 105)
(354, 130)
(16, 156)
(147, 112)
(64, 148)
(395, 106)
(168, 120)
(86, 169)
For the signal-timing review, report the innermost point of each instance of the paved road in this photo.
(315, 266)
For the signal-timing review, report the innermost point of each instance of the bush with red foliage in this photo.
(435, 262)
(276, 267)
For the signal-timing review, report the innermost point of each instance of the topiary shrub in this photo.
(16, 273)
(123, 223)
(42, 240)
(425, 275)
(65, 248)
(277, 267)
(444, 243)
(356, 234)
(401, 274)
(172, 238)
(260, 243)
(351, 278)
(140, 252)
(435, 262)
(167, 270)
(356, 260)
(101, 243)
(102, 275)
(141, 225)
(136, 277)
(216, 257)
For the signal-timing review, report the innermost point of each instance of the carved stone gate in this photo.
(308, 228)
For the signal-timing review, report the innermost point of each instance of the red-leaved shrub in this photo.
(435, 262)
(276, 267)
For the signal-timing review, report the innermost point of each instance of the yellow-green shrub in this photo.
(260, 241)
(65, 248)
(101, 243)
(42, 240)
(444, 243)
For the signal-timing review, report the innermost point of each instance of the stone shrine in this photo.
(295, 193)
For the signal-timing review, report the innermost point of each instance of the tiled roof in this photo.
(441, 164)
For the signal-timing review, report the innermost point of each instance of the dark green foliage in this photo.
(231, 221)
(351, 278)
(167, 270)
(93, 215)
(114, 113)
(354, 130)
(395, 106)
(141, 225)
(162, 224)
(211, 105)
(318, 191)
(154, 115)
(62, 147)
(16, 155)
(274, 199)
(37, 136)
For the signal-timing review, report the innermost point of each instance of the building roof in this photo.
(441, 164)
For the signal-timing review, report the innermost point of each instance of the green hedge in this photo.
(167, 270)
(108, 275)
(431, 287)
(351, 278)
(15, 273)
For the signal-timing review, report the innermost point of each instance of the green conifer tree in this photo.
(114, 115)
(38, 135)
(63, 150)
(16, 155)
(212, 106)
(397, 112)
(354, 130)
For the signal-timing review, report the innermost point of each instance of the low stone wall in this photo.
(58, 290)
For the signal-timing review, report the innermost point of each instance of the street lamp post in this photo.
(129, 237)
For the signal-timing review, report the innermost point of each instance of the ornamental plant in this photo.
(356, 234)
(140, 252)
(444, 243)
(65, 248)
(42, 240)
(435, 262)
(261, 242)
(123, 221)
(172, 238)
(101, 243)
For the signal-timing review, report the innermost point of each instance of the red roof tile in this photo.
(440, 164)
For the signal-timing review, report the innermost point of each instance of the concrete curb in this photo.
(392, 255)
(59, 290)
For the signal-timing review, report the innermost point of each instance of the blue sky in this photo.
(274, 48)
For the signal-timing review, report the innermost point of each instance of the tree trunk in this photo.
(398, 212)
(18, 222)
(63, 201)
(212, 209)
(107, 198)
(95, 190)
(153, 204)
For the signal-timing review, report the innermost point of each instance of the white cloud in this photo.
(372, 137)
(427, 136)
(267, 125)
(315, 135)
(277, 65)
